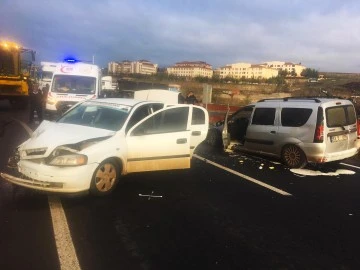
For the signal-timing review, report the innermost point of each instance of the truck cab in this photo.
(16, 68)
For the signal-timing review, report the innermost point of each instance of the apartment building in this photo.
(131, 67)
(258, 71)
(191, 69)
(247, 70)
(288, 66)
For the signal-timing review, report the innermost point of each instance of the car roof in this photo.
(121, 101)
(310, 101)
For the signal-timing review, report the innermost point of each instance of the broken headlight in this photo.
(14, 159)
(65, 156)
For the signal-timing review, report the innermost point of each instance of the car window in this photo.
(172, 120)
(141, 113)
(264, 116)
(242, 113)
(198, 117)
(340, 116)
(350, 110)
(295, 117)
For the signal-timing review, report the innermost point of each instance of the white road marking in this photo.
(64, 244)
(253, 180)
(349, 165)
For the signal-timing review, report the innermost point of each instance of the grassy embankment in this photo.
(334, 83)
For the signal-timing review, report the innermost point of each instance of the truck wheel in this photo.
(293, 157)
(105, 178)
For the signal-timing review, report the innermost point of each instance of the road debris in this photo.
(150, 195)
(307, 172)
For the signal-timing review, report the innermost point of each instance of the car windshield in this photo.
(74, 84)
(97, 114)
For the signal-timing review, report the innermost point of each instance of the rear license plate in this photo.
(338, 138)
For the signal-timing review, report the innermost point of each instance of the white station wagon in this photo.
(97, 141)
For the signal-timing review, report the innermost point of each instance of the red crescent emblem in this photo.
(66, 69)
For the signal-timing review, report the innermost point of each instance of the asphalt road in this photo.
(229, 211)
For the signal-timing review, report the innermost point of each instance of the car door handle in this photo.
(273, 132)
(196, 133)
(181, 141)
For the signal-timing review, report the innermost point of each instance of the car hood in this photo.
(49, 135)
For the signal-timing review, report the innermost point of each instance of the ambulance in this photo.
(71, 83)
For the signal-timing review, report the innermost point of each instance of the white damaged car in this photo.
(97, 141)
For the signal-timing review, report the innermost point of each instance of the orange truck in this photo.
(16, 68)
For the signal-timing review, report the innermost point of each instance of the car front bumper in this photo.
(51, 178)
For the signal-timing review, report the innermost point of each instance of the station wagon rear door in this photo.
(161, 141)
(341, 128)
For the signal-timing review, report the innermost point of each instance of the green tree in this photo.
(310, 73)
(216, 78)
(283, 73)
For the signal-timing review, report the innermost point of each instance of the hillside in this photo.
(335, 84)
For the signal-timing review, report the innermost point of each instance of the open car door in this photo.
(163, 140)
(225, 136)
(199, 126)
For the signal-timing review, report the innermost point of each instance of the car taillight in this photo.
(319, 130)
(358, 127)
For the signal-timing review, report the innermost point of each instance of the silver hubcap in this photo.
(105, 177)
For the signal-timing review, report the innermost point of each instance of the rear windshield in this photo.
(340, 116)
(295, 117)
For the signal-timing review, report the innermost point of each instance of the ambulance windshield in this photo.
(74, 84)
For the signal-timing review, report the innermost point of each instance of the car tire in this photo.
(293, 157)
(105, 178)
(214, 138)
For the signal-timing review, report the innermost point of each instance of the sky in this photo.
(322, 35)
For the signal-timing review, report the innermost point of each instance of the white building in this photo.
(191, 69)
(258, 71)
(288, 66)
(247, 70)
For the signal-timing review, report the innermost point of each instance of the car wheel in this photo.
(293, 157)
(214, 138)
(105, 178)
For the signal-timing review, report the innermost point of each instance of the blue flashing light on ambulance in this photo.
(72, 82)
